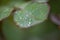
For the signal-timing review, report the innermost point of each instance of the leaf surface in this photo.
(32, 14)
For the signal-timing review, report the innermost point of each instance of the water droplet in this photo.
(20, 17)
(29, 24)
(27, 15)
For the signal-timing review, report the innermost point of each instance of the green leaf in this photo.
(32, 14)
(5, 11)
(43, 29)
(18, 4)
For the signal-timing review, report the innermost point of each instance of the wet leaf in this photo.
(4, 12)
(32, 14)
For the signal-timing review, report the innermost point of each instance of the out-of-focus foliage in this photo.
(46, 30)
(32, 14)
(41, 1)
(13, 32)
(55, 4)
(5, 11)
